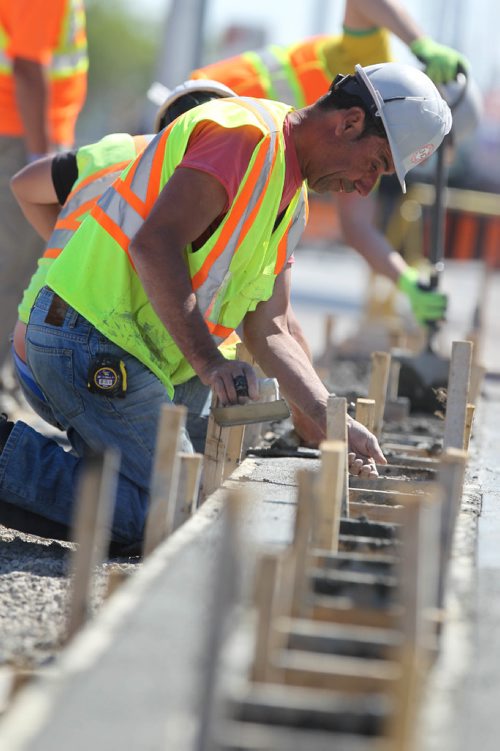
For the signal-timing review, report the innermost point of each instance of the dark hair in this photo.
(184, 103)
(348, 91)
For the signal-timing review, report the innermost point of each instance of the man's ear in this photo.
(353, 121)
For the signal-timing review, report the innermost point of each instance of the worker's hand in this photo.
(364, 451)
(442, 64)
(226, 379)
(426, 304)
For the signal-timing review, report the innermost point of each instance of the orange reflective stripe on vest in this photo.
(293, 233)
(78, 204)
(309, 69)
(238, 72)
(125, 205)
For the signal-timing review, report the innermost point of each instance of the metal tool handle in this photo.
(437, 235)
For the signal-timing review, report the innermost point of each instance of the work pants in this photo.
(37, 474)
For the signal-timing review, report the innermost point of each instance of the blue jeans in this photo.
(31, 391)
(40, 476)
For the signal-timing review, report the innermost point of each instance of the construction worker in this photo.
(299, 74)
(189, 243)
(43, 79)
(55, 194)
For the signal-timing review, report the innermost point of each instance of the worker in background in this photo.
(189, 243)
(299, 74)
(43, 79)
(55, 194)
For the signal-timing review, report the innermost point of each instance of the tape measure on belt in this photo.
(107, 376)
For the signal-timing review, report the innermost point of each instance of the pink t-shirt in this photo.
(226, 152)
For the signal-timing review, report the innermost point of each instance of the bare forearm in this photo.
(32, 101)
(385, 13)
(41, 217)
(281, 357)
(361, 233)
(375, 249)
(35, 193)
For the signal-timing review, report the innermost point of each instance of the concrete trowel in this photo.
(422, 376)
(267, 408)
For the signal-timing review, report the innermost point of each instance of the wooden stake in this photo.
(476, 380)
(234, 448)
(265, 587)
(165, 475)
(456, 400)
(451, 477)
(365, 412)
(337, 673)
(469, 417)
(116, 577)
(393, 383)
(418, 584)
(375, 512)
(331, 483)
(336, 430)
(304, 524)
(94, 511)
(215, 454)
(377, 389)
(187, 490)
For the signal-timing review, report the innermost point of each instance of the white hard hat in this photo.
(414, 114)
(191, 89)
(466, 103)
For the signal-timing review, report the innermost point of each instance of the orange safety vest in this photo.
(297, 75)
(63, 51)
(98, 165)
(301, 73)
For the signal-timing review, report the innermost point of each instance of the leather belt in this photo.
(57, 311)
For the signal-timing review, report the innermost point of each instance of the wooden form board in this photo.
(256, 737)
(187, 490)
(375, 512)
(214, 455)
(165, 475)
(330, 491)
(366, 412)
(386, 486)
(294, 651)
(334, 673)
(451, 477)
(304, 522)
(418, 589)
(385, 497)
(336, 430)
(377, 388)
(457, 395)
(94, 509)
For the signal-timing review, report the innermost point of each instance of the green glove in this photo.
(426, 304)
(441, 63)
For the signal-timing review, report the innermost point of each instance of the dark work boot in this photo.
(30, 523)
